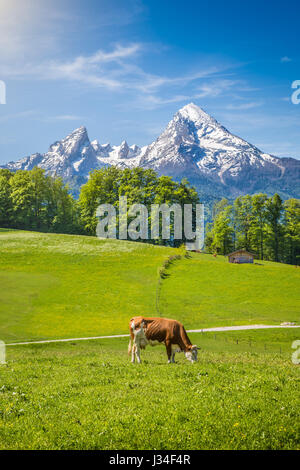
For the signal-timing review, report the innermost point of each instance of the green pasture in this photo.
(60, 286)
(87, 395)
(243, 393)
(207, 291)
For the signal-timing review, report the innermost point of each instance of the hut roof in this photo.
(241, 251)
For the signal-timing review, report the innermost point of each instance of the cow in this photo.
(156, 330)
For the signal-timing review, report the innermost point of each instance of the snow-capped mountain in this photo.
(76, 156)
(71, 155)
(194, 145)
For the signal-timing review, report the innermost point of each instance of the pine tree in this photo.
(292, 230)
(258, 223)
(274, 213)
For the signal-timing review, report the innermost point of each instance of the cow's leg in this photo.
(169, 351)
(137, 353)
(133, 353)
(173, 357)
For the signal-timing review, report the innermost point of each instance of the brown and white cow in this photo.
(155, 330)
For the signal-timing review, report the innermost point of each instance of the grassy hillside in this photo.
(242, 394)
(212, 292)
(87, 395)
(56, 286)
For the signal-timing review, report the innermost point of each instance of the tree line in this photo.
(32, 200)
(267, 226)
(140, 186)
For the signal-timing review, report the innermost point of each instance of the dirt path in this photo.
(219, 328)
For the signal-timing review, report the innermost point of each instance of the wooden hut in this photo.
(241, 256)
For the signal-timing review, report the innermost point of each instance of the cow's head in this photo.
(192, 353)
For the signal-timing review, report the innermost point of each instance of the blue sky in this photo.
(123, 68)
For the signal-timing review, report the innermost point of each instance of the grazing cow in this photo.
(154, 330)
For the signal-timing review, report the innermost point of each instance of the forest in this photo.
(265, 225)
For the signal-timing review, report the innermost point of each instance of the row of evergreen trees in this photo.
(267, 226)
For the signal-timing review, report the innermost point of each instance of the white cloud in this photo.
(35, 49)
(245, 106)
(21, 115)
(261, 121)
(150, 102)
(101, 69)
(116, 70)
(285, 59)
(30, 28)
(40, 35)
(149, 82)
(38, 28)
(215, 88)
(34, 114)
(64, 117)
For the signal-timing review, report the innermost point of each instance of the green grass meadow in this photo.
(243, 393)
(62, 286)
(212, 292)
(87, 395)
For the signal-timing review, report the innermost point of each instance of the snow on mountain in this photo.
(193, 145)
(193, 138)
(76, 155)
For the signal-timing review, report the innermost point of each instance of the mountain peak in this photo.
(79, 132)
(80, 129)
(194, 113)
(193, 145)
(77, 137)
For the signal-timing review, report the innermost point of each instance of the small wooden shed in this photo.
(240, 256)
